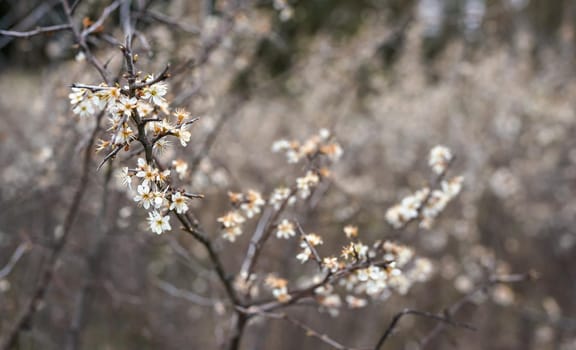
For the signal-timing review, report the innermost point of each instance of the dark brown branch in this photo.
(37, 31)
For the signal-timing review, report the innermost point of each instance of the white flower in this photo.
(144, 196)
(440, 157)
(230, 233)
(158, 223)
(125, 135)
(144, 108)
(354, 302)
(304, 255)
(285, 229)
(183, 135)
(280, 145)
(125, 177)
(279, 195)
(126, 105)
(158, 199)
(155, 93)
(231, 219)
(254, 202)
(453, 186)
(146, 172)
(84, 109)
(304, 184)
(324, 134)
(179, 203)
(181, 168)
(76, 96)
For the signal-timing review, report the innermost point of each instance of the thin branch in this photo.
(451, 310)
(263, 230)
(309, 330)
(18, 253)
(184, 294)
(445, 319)
(37, 31)
(100, 21)
(315, 254)
(149, 16)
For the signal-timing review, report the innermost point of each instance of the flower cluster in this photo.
(426, 204)
(309, 240)
(246, 205)
(140, 113)
(361, 271)
(321, 143)
(155, 194)
(320, 149)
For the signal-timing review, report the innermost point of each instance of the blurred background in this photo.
(494, 80)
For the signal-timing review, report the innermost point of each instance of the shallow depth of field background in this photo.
(494, 80)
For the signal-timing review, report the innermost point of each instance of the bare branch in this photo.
(184, 294)
(37, 31)
(18, 253)
(451, 310)
(437, 317)
(309, 331)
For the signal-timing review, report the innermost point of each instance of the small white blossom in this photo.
(440, 157)
(179, 203)
(84, 109)
(158, 223)
(144, 196)
(285, 229)
(155, 93)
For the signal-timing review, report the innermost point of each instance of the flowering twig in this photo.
(312, 248)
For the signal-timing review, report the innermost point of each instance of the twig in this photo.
(309, 330)
(18, 253)
(184, 294)
(451, 310)
(39, 30)
(315, 254)
(445, 319)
